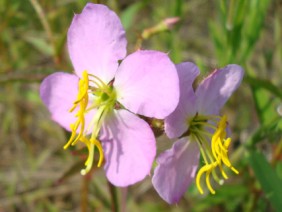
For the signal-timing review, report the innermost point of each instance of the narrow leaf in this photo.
(268, 179)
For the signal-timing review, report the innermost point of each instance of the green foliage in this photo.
(238, 29)
(269, 181)
(128, 15)
(272, 132)
(236, 193)
(266, 96)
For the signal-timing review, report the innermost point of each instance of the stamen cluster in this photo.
(104, 98)
(215, 153)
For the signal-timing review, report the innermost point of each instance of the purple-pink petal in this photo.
(176, 170)
(147, 83)
(58, 91)
(129, 146)
(177, 122)
(214, 91)
(96, 41)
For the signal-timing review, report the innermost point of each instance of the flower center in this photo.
(102, 98)
(214, 153)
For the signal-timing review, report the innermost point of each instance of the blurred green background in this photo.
(38, 175)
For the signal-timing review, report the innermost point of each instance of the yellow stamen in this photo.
(100, 149)
(91, 146)
(198, 177)
(208, 168)
(219, 151)
(83, 88)
(82, 100)
(90, 158)
(208, 179)
(104, 101)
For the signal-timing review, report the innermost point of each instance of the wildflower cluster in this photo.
(99, 104)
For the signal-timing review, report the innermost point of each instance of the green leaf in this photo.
(272, 132)
(219, 41)
(61, 44)
(128, 15)
(40, 44)
(178, 8)
(237, 29)
(279, 170)
(265, 105)
(267, 96)
(223, 194)
(268, 179)
(253, 26)
(265, 84)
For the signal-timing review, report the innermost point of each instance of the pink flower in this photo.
(98, 102)
(200, 129)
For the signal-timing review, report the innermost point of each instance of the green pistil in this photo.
(105, 97)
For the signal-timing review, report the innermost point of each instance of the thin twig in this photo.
(21, 77)
(38, 194)
(46, 26)
(84, 193)
(123, 201)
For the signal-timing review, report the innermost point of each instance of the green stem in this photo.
(84, 193)
(124, 192)
(114, 197)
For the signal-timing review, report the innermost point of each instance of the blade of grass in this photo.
(268, 179)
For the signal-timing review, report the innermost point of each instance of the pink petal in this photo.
(177, 122)
(215, 90)
(176, 170)
(147, 84)
(58, 91)
(96, 41)
(129, 146)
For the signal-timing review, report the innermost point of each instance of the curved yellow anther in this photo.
(222, 171)
(208, 180)
(208, 168)
(198, 177)
(82, 100)
(91, 146)
(100, 149)
(218, 155)
(89, 160)
(83, 86)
